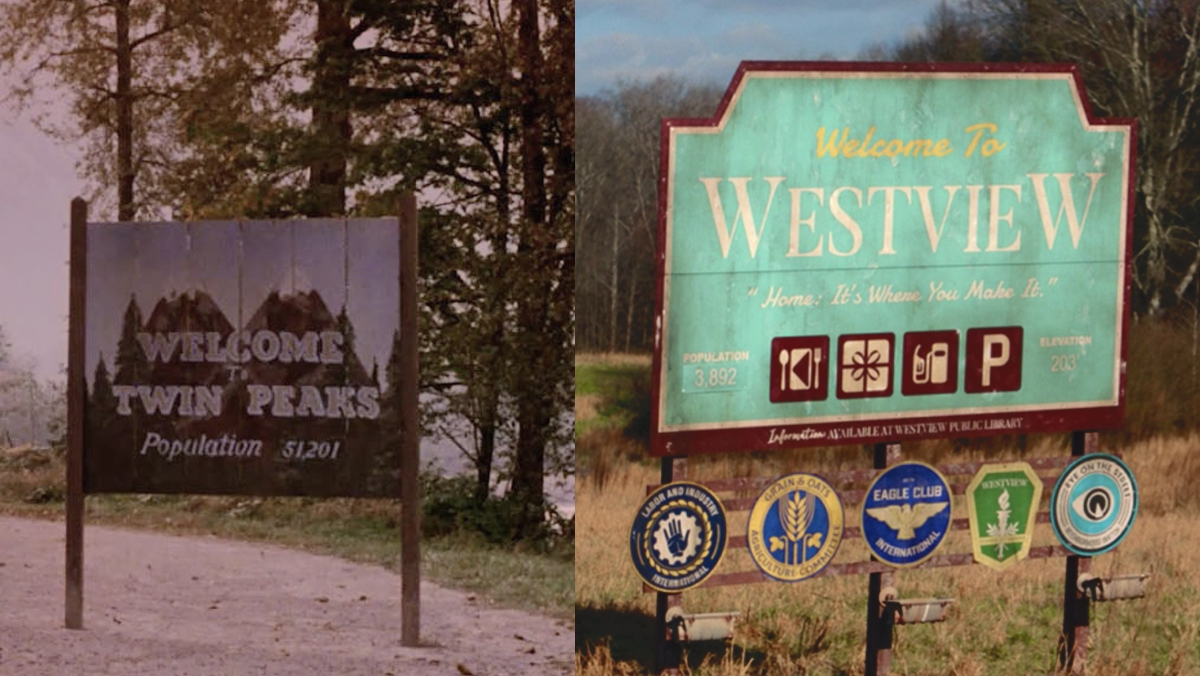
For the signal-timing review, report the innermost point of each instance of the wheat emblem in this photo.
(795, 516)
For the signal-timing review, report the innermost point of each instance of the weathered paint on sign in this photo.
(243, 357)
(854, 255)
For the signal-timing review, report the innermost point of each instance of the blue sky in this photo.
(703, 40)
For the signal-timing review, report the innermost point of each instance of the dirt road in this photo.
(164, 605)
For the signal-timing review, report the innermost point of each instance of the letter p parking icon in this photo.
(994, 359)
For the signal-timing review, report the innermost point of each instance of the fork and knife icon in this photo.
(800, 369)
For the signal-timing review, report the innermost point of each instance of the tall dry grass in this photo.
(587, 407)
(1002, 623)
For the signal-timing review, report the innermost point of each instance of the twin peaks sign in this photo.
(251, 357)
(247, 351)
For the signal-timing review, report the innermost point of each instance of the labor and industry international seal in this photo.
(1094, 504)
(795, 527)
(678, 536)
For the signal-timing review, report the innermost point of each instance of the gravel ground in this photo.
(195, 606)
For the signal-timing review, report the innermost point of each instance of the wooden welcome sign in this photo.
(243, 357)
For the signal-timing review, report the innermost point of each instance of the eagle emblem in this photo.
(906, 519)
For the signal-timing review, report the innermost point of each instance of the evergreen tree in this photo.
(132, 367)
(103, 398)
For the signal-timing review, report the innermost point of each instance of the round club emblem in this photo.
(678, 536)
(795, 527)
(1093, 504)
(906, 514)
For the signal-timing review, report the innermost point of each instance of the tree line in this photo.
(1138, 59)
(206, 109)
(32, 411)
(618, 222)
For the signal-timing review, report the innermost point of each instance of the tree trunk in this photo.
(534, 400)
(485, 387)
(331, 128)
(124, 103)
(630, 304)
(614, 283)
(485, 453)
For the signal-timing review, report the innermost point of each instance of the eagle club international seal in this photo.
(678, 536)
(906, 514)
(1094, 503)
(795, 527)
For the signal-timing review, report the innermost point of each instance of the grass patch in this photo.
(608, 390)
(514, 579)
(605, 374)
(587, 407)
(362, 530)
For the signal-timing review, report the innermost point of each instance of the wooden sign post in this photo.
(76, 393)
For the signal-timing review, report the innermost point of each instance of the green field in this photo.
(604, 386)
(1002, 623)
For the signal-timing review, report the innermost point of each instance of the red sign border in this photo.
(902, 428)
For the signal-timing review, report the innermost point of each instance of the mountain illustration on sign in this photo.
(1003, 528)
(196, 312)
(367, 441)
(796, 511)
(907, 518)
(200, 314)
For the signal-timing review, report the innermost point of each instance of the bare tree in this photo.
(1140, 59)
(618, 223)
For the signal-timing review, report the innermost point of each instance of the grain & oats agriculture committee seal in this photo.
(795, 527)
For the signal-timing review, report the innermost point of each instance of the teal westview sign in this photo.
(885, 252)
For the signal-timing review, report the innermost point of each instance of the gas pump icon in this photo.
(934, 367)
(930, 363)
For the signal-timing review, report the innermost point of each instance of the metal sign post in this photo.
(1072, 650)
(879, 625)
(667, 652)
